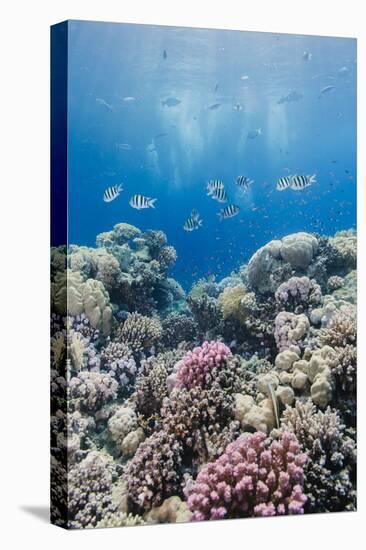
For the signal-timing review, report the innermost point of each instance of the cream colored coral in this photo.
(237, 302)
(260, 417)
(173, 510)
(285, 359)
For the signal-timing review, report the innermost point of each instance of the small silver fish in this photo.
(284, 183)
(228, 212)
(171, 102)
(213, 185)
(298, 183)
(112, 193)
(214, 106)
(307, 56)
(238, 107)
(244, 182)
(254, 133)
(244, 77)
(290, 97)
(325, 90)
(129, 99)
(104, 104)
(140, 202)
(123, 146)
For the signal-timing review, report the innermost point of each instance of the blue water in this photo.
(310, 136)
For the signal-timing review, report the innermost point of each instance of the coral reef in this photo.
(237, 399)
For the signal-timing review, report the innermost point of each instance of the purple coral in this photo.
(298, 292)
(195, 369)
(254, 477)
(290, 329)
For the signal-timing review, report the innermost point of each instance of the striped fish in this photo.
(219, 195)
(284, 183)
(139, 202)
(112, 193)
(298, 183)
(214, 185)
(193, 222)
(244, 182)
(228, 212)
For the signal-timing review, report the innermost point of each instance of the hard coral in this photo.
(298, 292)
(139, 332)
(195, 369)
(255, 476)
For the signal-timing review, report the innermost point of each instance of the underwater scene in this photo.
(203, 305)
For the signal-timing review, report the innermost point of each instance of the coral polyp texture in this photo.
(234, 399)
(253, 477)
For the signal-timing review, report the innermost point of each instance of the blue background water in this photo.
(312, 135)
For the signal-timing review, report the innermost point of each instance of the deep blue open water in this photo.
(170, 153)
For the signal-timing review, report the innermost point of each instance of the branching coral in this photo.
(139, 332)
(198, 367)
(254, 477)
(154, 473)
(151, 387)
(89, 490)
(298, 294)
(342, 328)
(201, 419)
(90, 390)
(330, 470)
(290, 329)
(117, 360)
(178, 328)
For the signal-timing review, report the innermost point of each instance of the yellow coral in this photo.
(236, 302)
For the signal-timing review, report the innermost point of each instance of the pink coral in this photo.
(255, 476)
(197, 366)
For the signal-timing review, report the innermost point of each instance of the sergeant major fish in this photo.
(140, 202)
(228, 212)
(112, 193)
(193, 222)
(284, 183)
(219, 195)
(214, 185)
(244, 182)
(300, 182)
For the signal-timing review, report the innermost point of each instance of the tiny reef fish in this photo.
(171, 102)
